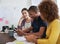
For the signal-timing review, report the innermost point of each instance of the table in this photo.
(4, 38)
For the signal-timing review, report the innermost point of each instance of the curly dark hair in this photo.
(48, 10)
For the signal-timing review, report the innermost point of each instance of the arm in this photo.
(38, 34)
(20, 21)
(34, 36)
(24, 32)
(55, 30)
(41, 31)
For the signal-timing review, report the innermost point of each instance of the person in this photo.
(25, 20)
(49, 13)
(38, 26)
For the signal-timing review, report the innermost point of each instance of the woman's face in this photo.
(25, 14)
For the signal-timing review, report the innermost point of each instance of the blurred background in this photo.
(10, 10)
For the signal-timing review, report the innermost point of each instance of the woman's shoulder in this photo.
(29, 20)
(56, 22)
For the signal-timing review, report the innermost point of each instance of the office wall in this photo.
(36, 2)
(10, 11)
(58, 3)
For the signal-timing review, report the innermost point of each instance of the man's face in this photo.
(32, 14)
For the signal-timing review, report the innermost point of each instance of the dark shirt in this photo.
(37, 23)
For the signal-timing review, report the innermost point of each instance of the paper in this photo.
(11, 43)
(19, 38)
(18, 42)
(15, 42)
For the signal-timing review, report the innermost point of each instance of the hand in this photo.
(31, 38)
(19, 32)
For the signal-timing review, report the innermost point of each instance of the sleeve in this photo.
(32, 24)
(43, 24)
(55, 30)
(42, 41)
(21, 25)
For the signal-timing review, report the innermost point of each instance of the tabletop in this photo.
(4, 38)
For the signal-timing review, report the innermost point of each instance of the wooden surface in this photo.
(4, 38)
